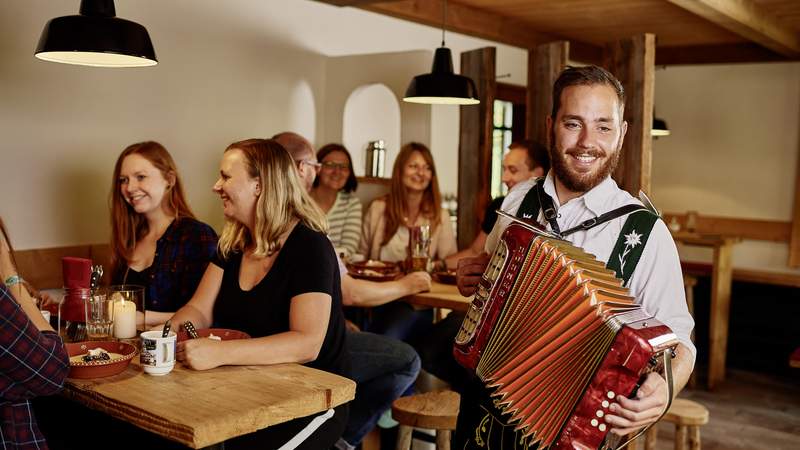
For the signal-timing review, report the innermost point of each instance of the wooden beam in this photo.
(633, 62)
(545, 63)
(794, 240)
(716, 54)
(747, 19)
(354, 2)
(476, 22)
(756, 229)
(475, 144)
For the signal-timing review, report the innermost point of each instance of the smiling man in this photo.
(586, 132)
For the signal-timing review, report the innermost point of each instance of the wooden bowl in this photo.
(224, 333)
(382, 267)
(99, 369)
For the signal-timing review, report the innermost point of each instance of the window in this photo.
(501, 138)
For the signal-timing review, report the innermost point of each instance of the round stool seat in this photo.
(435, 410)
(686, 412)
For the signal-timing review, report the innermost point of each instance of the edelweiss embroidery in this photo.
(631, 241)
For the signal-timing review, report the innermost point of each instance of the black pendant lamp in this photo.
(96, 38)
(442, 86)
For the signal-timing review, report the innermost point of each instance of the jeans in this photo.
(383, 369)
(400, 321)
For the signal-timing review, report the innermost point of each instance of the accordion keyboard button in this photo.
(602, 427)
(605, 403)
(611, 394)
(594, 422)
(599, 413)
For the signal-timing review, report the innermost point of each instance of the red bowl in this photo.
(445, 277)
(98, 369)
(224, 333)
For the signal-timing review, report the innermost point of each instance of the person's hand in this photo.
(469, 273)
(628, 415)
(199, 354)
(417, 282)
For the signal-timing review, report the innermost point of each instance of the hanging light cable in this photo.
(442, 85)
(96, 37)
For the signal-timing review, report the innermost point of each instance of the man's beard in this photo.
(580, 182)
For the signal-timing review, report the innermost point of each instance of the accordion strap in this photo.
(667, 361)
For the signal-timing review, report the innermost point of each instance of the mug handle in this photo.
(169, 351)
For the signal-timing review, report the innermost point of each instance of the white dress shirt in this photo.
(657, 281)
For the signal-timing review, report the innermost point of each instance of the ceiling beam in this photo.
(716, 54)
(354, 2)
(748, 20)
(476, 22)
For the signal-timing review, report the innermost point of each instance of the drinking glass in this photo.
(99, 319)
(419, 245)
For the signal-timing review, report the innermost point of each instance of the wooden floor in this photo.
(748, 411)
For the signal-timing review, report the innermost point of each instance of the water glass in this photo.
(99, 318)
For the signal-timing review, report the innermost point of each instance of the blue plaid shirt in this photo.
(182, 255)
(32, 363)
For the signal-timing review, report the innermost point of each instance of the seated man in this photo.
(382, 367)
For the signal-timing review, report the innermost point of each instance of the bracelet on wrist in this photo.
(12, 280)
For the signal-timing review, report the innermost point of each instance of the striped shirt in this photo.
(344, 221)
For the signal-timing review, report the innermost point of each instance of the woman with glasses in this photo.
(333, 191)
(413, 200)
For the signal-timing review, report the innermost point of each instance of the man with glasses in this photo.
(303, 154)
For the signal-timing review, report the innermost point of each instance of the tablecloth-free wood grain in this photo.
(201, 408)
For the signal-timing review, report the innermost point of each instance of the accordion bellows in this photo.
(555, 336)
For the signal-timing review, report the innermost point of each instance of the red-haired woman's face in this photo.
(141, 184)
(417, 173)
(334, 171)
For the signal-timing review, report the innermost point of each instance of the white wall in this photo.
(733, 149)
(63, 126)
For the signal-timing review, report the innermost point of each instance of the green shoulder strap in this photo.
(630, 243)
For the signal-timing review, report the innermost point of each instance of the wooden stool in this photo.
(688, 416)
(434, 410)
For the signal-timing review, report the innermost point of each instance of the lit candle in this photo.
(124, 319)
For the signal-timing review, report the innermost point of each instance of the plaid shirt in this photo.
(182, 255)
(32, 363)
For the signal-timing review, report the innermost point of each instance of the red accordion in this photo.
(554, 336)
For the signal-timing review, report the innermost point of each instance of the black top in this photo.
(490, 216)
(306, 263)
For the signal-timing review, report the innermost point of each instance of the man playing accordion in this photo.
(579, 201)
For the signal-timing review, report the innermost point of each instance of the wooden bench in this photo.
(42, 267)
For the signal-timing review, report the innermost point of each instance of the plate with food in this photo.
(220, 334)
(371, 266)
(96, 359)
(445, 276)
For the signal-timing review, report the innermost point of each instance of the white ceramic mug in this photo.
(158, 353)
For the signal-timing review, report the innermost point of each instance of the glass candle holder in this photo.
(126, 303)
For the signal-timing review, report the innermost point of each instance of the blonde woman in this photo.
(275, 277)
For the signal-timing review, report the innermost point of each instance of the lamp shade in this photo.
(442, 86)
(659, 127)
(96, 38)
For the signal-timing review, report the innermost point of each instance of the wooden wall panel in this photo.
(475, 144)
(632, 61)
(794, 241)
(545, 63)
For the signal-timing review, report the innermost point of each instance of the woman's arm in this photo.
(447, 238)
(200, 309)
(309, 315)
(372, 293)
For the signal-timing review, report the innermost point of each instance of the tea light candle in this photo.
(124, 319)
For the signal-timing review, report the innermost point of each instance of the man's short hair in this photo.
(537, 153)
(584, 76)
(296, 145)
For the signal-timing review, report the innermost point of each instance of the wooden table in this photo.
(441, 296)
(721, 279)
(202, 408)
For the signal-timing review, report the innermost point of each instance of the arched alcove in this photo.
(371, 112)
(301, 114)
